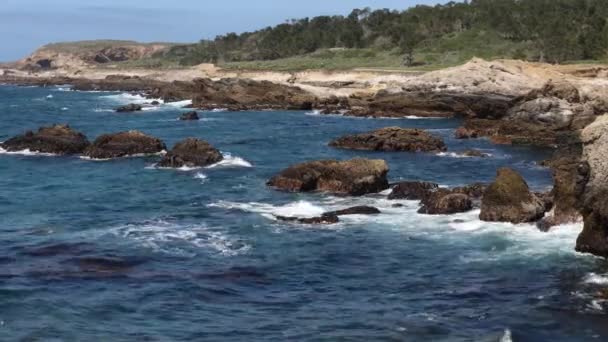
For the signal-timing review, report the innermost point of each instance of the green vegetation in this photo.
(423, 37)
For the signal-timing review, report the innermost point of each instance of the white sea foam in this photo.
(137, 155)
(179, 104)
(303, 209)
(231, 161)
(27, 152)
(49, 96)
(524, 240)
(130, 98)
(65, 108)
(596, 279)
(507, 336)
(100, 110)
(175, 238)
(201, 176)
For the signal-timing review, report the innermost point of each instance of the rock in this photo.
(325, 219)
(474, 191)
(560, 89)
(129, 108)
(56, 139)
(475, 153)
(155, 103)
(509, 199)
(392, 139)
(465, 133)
(593, 174)
(124, 144)
(412, 190)
(444, 202)
(360, 210)
(190, 116)
(354, 177)
(191, 153)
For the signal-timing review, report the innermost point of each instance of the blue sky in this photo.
(28, 24)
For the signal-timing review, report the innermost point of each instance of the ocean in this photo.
(120, 250)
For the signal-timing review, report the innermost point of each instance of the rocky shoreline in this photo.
(558, 113)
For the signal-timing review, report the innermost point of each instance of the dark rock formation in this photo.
(325, 219)
(412, 190)
(392, 139)
(332, 216)
(360, 210)
(189, 116)
(509, 199)
(475, 153)
(56, 139)
(568, 183)
(123, 144)
(354, 177)
(129, 108)
(445, 202)
(191, 153)
(425, 103)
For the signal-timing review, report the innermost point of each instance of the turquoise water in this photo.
(118, 250)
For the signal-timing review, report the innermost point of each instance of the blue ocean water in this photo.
(120, 251)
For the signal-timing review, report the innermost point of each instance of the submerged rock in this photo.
(509, 199)
(56, 139)
(360, 210)
(124, 144)
(593, 174)
(353, 177)
(392, 139)
(325, 219)
(331, 217)
(191, 152)
(412, 190)
(190, 116)
(475, 154)
(129, 108)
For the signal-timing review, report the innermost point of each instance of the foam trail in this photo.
(27, 152)
(596, 279)
(180, 239)
(179, 104)
(303, 209)
(231, 161)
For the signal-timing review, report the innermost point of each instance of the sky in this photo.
(28, 24)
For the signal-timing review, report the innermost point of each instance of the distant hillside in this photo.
(537, 30)
(91, 53)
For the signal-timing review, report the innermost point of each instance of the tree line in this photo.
(559, 30)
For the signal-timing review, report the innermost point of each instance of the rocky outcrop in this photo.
(354, 177)
(124, 144)
(568, 183)
(593, 175)
(56, 139)
(392, 139)
(189, 116)
(509, 199)
(465, 133)
(445, 202)
(191, 153)
(412, 190)
(539, 117)
(129, 108)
